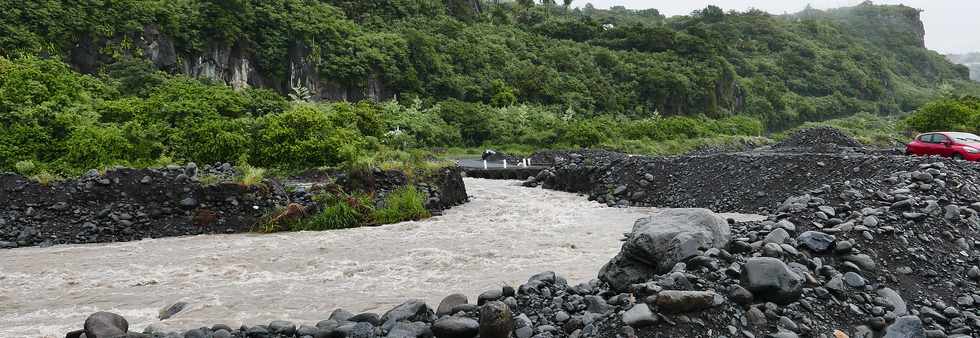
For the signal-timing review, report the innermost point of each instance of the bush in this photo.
(339, 211)
(25, 168)
(90, 147)
(403, 204)
(947, 114)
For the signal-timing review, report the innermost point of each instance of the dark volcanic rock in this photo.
(456, 327)
(496, 320)
(105, 325)
(770, 279)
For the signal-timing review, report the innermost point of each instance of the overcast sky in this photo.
(952, 26)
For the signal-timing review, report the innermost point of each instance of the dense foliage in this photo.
(948, 114)
(77, 90)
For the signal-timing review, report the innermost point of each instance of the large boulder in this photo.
(412, 311)
(658, 242)
(496, 320)
(105, 325)
(770, 279)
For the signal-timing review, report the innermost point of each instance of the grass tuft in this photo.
(250, 175)
(26, 168)
(404, 204)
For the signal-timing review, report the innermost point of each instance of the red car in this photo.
(961, 146)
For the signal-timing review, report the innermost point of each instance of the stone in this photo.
(674, 301)
(340, 315)
(659, 242)
(413, 311)
(447, 304)
(188, 203)
(496, 320)
(282, 327)
(489, 295)
(740, 295)
(816, 241)
(171, 310)
(854, 280)
(367, 317)
(778, 236)
(639, 316)
(770, 279)
(596, 304)
(105, 325)
(456, 327)
(827, 210)
(905, 327)
(362, 330)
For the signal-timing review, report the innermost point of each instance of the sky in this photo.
(951, 25)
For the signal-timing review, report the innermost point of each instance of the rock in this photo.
(171, 310)
(367, 317)
(658, 243)
(905, 327)
(673, 301)
(190, 170)
(816, 241)
(489, 295)
(340, 315)
(827, 210)
(362, 330)
(496, 320)
(740, 295)
(413, 311)
(770, 279)
(863, 261)
(974, 273)
(596, 304)
(105, 325)
(407, 330)
(778, 236)
(282, 327)
(639, 316)
(188, 203)
(456, 327)
(786, 225)
(854, 280)
(451, 301)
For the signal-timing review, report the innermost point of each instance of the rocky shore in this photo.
(126, 204)
(853, 246)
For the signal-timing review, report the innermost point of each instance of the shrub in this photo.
(26, 168)
(95, 147)
(339, 210)
(403, 204)
(250, 175)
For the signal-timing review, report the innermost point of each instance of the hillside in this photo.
(89, 84)
(971, 60)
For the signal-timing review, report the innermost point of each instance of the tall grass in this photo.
(403, 204)
(250, 175)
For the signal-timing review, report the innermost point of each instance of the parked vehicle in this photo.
(962, 146)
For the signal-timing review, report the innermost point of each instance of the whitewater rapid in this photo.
(502, 236)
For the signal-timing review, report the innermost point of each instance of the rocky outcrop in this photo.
(230, 62)
(658, 243)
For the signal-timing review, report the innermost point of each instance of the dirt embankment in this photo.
(132, 204)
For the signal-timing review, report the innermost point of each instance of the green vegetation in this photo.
(869, 129)
(404, 204)
(81, 87)
(948, 114)
(338, 211)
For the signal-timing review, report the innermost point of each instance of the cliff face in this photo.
(231, 63)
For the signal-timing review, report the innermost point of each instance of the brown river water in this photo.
(502, 236)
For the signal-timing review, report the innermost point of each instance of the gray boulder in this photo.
(456, 327)
(659, 242)
(639, 316)
(771, 280)
(105, 325)
(447, 304)
(414, 311)
(816, 241)
(905, 327)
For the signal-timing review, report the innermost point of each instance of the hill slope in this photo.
(782, 69)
